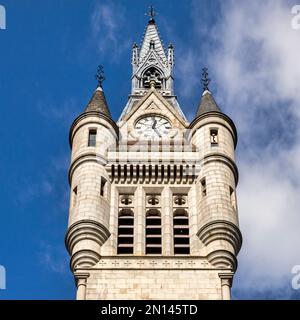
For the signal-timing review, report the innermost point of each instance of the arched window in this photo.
(181, 232)
(153, 232)
(125, 231)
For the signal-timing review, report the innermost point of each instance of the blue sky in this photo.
(49, 55)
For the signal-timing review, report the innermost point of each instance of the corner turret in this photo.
(215, 136)
(91, 134)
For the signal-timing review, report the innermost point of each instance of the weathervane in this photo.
(100, 75)
(205, 80)
(152, 13)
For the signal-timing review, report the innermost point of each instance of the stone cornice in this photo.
(80, 277)
(85, 230)
(226, 278)
(85, 258)
(221, 230)
(128, 262)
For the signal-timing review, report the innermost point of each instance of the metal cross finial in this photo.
(100, 75)
(205, 80)
(152, 13)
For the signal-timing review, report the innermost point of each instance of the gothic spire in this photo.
(152, 68)
(98, 102)
(152, 39)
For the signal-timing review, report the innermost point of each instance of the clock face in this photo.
(153, 127)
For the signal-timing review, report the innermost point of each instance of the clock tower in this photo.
(153, 210)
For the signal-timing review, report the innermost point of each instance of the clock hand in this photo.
(157, 132)
(162, 125)
(154, 124)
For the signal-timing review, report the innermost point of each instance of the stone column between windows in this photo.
(81, 285)
(226, 282)
(193, 220)
(167, 221)
(114, 221)
(139, 221)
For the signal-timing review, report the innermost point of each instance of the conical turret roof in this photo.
(98, 103)
(207, 104)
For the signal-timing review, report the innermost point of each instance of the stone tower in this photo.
(153, 211)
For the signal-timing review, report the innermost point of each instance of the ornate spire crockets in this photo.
(151, 62)
(98, 102)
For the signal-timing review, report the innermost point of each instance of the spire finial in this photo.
(151, 13)
(205, 80)
(100, 75)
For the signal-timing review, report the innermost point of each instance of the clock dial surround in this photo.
(153, 127)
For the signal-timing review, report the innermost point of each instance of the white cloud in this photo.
(253, 56)
(185, 67)
(269, 216)
(257, 62)
(257, 69)
(107, 22)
